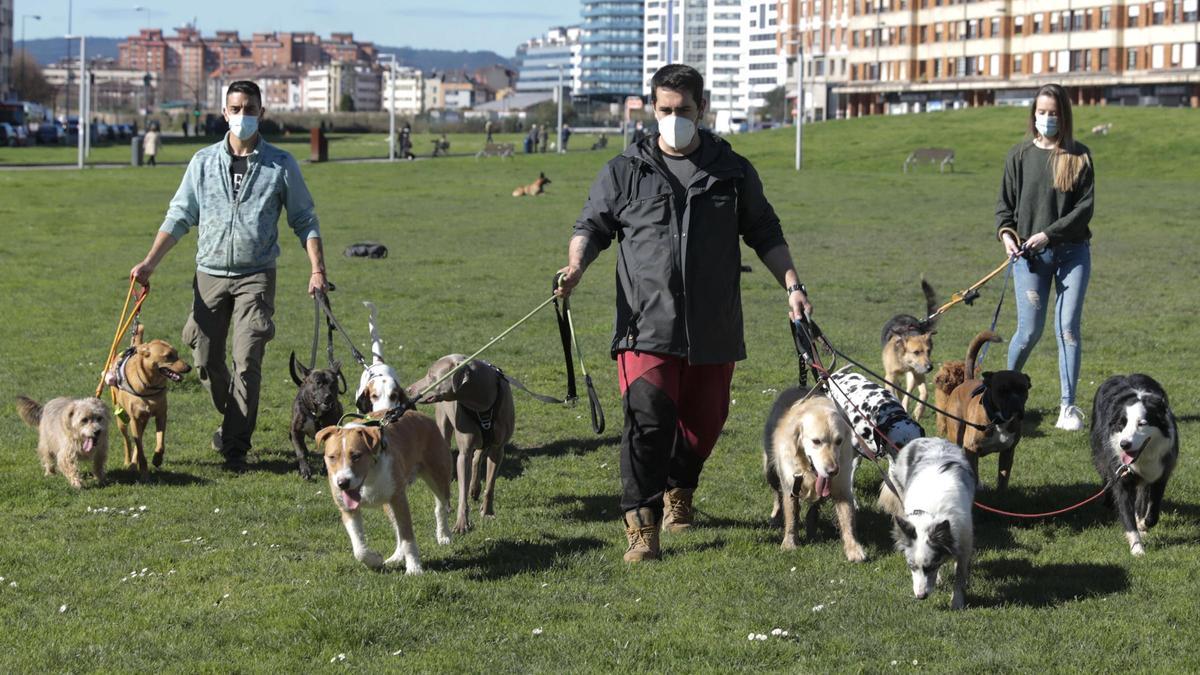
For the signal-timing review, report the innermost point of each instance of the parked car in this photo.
(50, 133)
(8, 134)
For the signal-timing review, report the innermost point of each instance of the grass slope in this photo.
(254, 573)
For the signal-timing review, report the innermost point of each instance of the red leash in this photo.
(1125, 468)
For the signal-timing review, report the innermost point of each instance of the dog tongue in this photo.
(87, 445)
(823, 486)
(1126, 458)
(351, 498)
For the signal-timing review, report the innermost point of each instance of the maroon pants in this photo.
(674, 413)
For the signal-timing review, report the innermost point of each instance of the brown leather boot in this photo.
(677, 509)
(641, 528)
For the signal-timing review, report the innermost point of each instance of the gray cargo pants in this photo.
(248, 302)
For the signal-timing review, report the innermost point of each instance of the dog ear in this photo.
(363, 402)
(1028, 382)
(326, 433)
(372, 436)
(942, 537)
(905, 529)
(297, 369)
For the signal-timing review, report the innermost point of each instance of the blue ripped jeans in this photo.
(1068, 266)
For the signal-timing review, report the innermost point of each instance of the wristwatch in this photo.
(797, 287)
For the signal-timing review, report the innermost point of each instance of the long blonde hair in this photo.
(1067, 159)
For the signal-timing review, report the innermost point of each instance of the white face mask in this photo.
(1046, 125)
(243, 126)
(677, 132)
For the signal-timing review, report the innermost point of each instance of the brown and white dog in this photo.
(372, 467)
(908, 350)
(139, 378)
(475, 408)
(995, 401)
(808, 455)
(69, 430)
(537, 187)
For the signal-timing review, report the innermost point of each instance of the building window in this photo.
(1103, 59)
(923, 34)
(1105, 17)
(1160, 13)
(995, 30)
(1018, 25)
(1037, 24)
(1191, 11)
(1018, 63)
(1132, 22)
(1131, 58)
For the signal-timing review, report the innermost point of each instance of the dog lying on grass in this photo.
(534, 189)
(70, 430)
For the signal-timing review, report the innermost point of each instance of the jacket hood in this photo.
(647, 148)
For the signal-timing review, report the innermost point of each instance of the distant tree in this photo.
(346, 104)
(29, 80)
(777, 104)
(546, 112)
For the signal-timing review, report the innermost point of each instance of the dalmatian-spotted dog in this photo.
(855, 393)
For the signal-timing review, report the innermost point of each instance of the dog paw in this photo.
(305, 472)
(461, 526)
(443, 539)
(959, 601)
(157, 459)
(855, 553)
(415, 568)
(371, 559)
(1137, 550)
(789, 544)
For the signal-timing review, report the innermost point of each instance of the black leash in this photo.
(321, 300)
(566, 333)
(996, 314)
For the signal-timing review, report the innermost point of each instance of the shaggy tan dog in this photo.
(69, 430)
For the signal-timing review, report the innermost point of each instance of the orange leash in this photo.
(123, 324)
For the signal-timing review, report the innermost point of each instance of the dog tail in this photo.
(973, 350)
(376, 343)
(931, 305)
(29, 410)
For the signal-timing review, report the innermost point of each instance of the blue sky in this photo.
(498, 25)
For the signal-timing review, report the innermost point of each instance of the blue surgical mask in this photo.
(1046, 125)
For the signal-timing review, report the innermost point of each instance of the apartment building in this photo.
(327, 89)
(676, 31)
(540, 58)
(409, 89)
(611, 65)
(914, 55)
(814, 34)
(6, 49)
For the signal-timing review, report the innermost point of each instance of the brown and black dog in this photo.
(537, 187)
(908, 350)
(475, 408)
(995, 401)
(372, 466)
(139, 378)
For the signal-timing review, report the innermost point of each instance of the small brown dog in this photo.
(475, 408)
(371, 466)
(139, 379)
(537, 187)
(69, 430)
(995, 401)
(949, 376)
(908, 350)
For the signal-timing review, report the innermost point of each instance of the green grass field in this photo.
(254, 573)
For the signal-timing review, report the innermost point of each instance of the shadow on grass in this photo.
(572, 446)
(506, 558)
(125, 476)
(1020, 582)
(589, 508)
(1042, 499)
(1032, 424)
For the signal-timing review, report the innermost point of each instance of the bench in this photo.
(496, 150)
(942, 156)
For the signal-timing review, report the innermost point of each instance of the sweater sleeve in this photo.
(598, 221)
(301, 211)
(184, 211)
(1006, 204)
(1080, 215)
(757, 222)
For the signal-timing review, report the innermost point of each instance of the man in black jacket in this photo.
(677, 203)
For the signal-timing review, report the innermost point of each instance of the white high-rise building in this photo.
(541, 57)
(410, 90)
(733, 43)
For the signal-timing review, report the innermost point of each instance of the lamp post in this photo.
(83, 128)
(392, 104)
(559, 147)
(35, 17)
(146, 79)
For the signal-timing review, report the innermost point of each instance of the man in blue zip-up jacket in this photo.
(232, 193)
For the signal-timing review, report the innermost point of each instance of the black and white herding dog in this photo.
(1132, 425)
(870, 404)
(933, 522)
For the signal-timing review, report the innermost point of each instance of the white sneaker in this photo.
(1070, 418)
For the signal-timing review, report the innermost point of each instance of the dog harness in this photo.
(486, 418)
(116, 376)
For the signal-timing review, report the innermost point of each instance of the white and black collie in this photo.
(933, 522)
(1132, 425)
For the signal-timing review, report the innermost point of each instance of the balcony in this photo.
(628, 9)
(598, 49)
(613, 24)
(604, 37)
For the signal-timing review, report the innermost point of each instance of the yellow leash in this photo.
(123, 324)
(969, 294)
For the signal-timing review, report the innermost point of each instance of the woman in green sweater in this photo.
(1046, 202)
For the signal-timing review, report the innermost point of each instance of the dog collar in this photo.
(122, 381)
